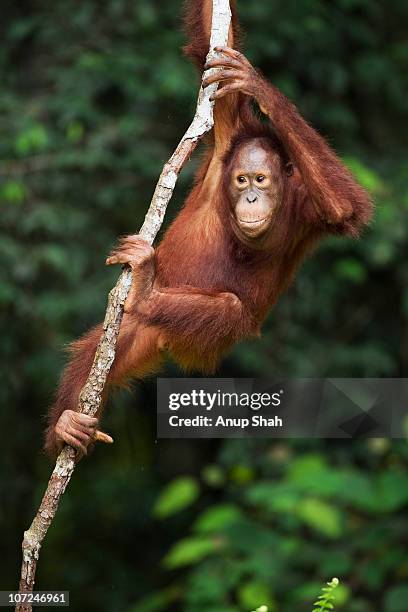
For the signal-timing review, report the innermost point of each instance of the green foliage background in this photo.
(94, 97)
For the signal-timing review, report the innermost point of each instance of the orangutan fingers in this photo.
(223, 91)
(222, 75)
(233, 54)
(223, 62)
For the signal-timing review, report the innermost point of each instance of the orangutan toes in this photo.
(78, 430)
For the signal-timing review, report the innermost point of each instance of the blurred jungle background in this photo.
(94, 98)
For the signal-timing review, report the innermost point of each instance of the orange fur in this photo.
(210, 288)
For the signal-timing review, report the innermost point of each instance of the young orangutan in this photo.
(263, 197)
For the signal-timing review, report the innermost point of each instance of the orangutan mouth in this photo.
(255, 224)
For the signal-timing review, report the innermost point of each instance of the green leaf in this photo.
(313, 475)
(190, 551)
(216, 518)
(178, 495)
(320, 516)
(305, 466)
(281, 497)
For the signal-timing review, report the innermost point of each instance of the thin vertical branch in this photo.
(91, 393)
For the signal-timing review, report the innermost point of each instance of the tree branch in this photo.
(90, 396)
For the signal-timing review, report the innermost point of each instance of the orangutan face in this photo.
(256, 187)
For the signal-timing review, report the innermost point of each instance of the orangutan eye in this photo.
(260, 178)
(241, 179)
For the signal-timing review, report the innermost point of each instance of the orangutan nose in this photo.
(251, 198)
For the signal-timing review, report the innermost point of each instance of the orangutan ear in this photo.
(289, 169)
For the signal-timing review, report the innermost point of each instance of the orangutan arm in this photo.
(338, 199)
